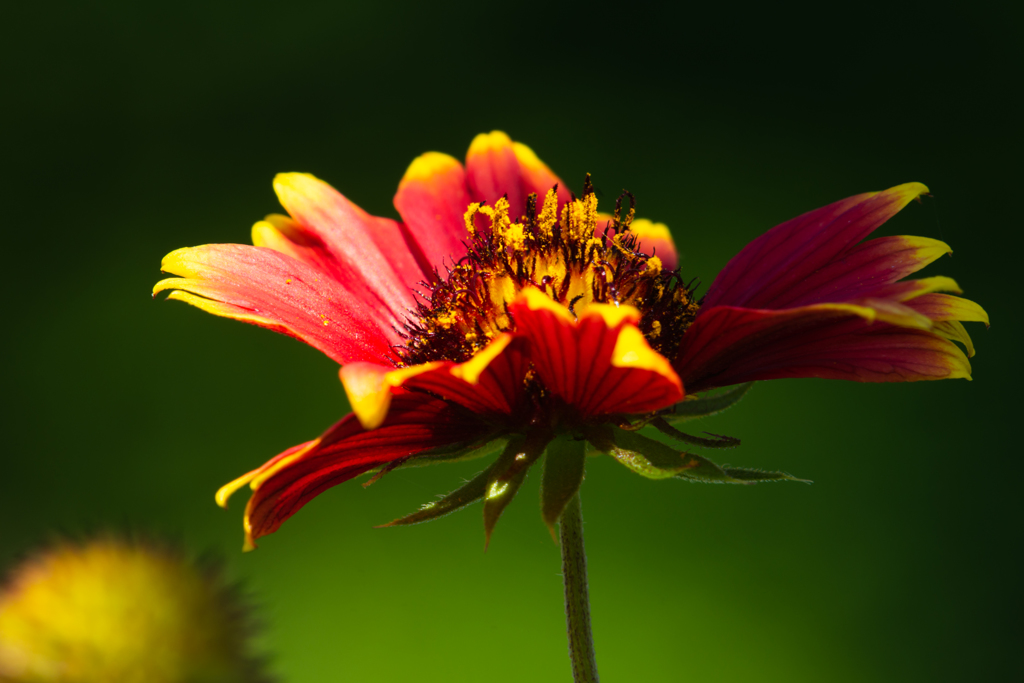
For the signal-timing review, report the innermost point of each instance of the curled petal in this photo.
(270, 289)
(432, 199)
(948, 313)
(490, 383)
(954, 330)
(728, 345)
(415, 424)
(780, 265)
(369, 388)
(600, 364)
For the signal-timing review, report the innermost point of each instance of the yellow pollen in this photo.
(549, 215)
(558, 250)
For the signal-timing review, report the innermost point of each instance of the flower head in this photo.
(110, 610)
(505, 312)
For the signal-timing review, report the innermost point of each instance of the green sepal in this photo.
(754, 476)
(655, 460)
(646, 457)
(664, 427)
(470, 492)
(459, 452)
(703, 470)
(699, 468)
(507, 475)
(563, 473)
(706, 405)
(445, 454)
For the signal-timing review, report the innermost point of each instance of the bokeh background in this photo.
(131, 129)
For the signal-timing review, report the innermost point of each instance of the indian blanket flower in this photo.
(505, 314)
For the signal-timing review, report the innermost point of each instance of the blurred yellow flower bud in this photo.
(111, 611)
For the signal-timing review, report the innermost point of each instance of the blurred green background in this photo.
(131, 129)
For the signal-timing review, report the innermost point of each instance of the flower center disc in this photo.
(557, 252)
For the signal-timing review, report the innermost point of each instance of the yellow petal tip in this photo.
(536, 300)
(427, 166)
(485, 142)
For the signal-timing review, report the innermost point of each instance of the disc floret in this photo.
(564, 253)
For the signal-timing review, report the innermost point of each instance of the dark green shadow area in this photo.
(133, 129)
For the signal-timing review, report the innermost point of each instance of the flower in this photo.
(506, 312)
(114, 610)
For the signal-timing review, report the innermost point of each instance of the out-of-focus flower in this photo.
(109, 610)
(506, 312)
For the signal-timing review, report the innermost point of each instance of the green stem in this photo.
(577, 602)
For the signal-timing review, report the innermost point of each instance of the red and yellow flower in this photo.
(505, 313)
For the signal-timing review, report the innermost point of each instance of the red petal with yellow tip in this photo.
(947, 307)
(490, 383)
(600, 364)
(536, 177)
(492, 171)
(780, 265)
(656, 240)
(371, 253)
(864, 268)
(910, 289)
(270, 289)
(432, 199)
(729, 345)
(415, 423)
(496, 166)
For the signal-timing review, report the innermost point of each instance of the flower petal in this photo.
(496, 166)
(772, 268)
(946, 307)
(490, 383)
(432, 200)
(910, 289)
(415, 423)
(492, 171)
(947, 312)
(536, 177)
(655, 239)
(954, 330)
(370, 252)
(270, 289)
(600, 364)
(863, 268)
(369, 388)
(728, 345)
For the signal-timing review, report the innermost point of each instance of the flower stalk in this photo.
(577, 601)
